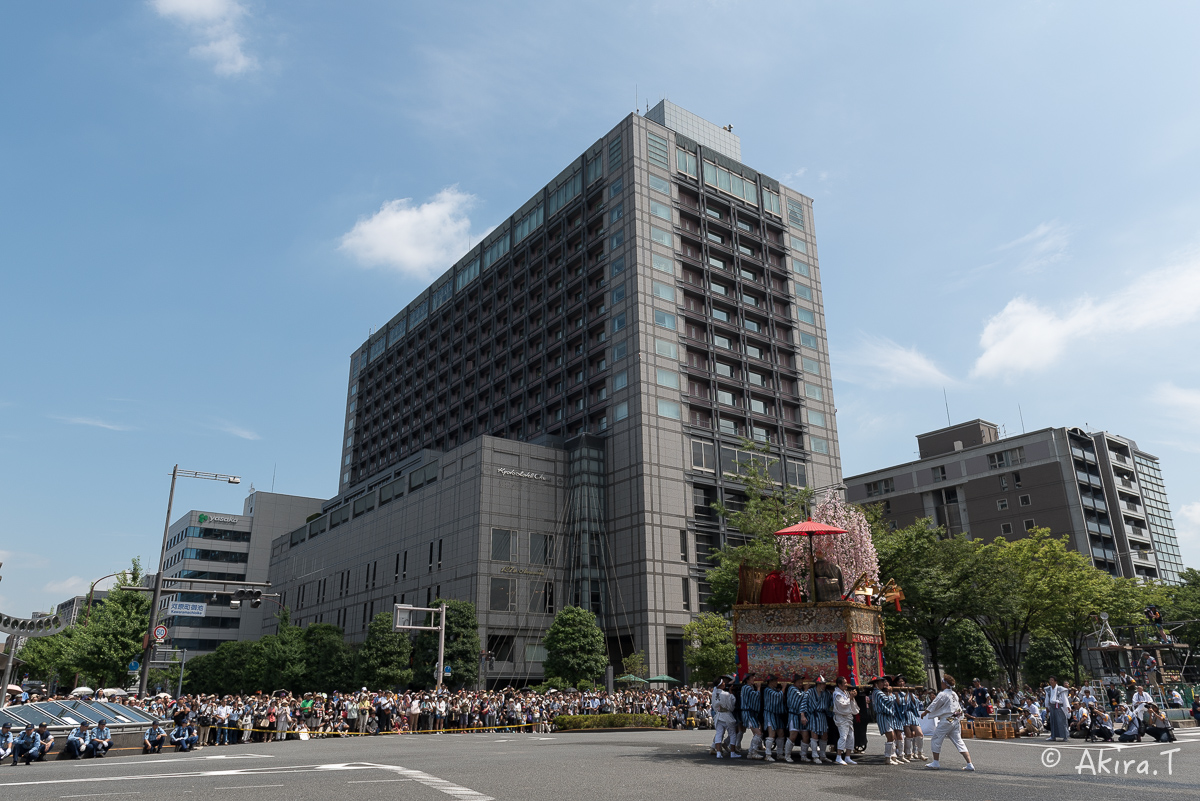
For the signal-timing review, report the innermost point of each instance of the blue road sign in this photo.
(135, 665)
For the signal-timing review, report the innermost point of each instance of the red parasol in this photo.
(809, 529)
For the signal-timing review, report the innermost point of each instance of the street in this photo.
(583, 767)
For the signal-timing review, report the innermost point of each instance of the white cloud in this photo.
(215, 22)
(1182, 403)
(792, 177)
(91, 421)
(1187, 530)
(420, 241)
(878, 361)
(1044, 245)
(227, 427)
(1027, 337)
(68, 586)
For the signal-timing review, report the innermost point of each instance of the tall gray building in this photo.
(229, 547)
(1099, 488)
(618, 336)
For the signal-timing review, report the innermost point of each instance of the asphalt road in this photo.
(584, 767)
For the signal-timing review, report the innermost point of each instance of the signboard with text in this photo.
(186, 609)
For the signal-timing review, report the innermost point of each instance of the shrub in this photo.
(576, 722)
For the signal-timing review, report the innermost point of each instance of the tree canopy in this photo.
(574, 644)
(708, 648)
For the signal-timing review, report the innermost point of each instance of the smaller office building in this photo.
(226, 547)
(1098, 488)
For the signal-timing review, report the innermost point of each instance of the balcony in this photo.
(1080, 453)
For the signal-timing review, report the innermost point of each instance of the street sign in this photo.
(187, 609)
(447, 670)
(134, 666)
(160, 632)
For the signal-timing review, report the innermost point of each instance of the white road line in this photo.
(95, 795)
(449, 788)
(190, 759)
(249, 786)
(378, 781)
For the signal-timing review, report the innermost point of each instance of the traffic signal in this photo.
(253, 596)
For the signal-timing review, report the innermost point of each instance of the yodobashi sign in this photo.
(508, 471)
(184, 609)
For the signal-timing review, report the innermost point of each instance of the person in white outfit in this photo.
(726, 723)
(947, 709)
(844, 708)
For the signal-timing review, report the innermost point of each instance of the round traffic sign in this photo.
(134, 666)
(160, 632)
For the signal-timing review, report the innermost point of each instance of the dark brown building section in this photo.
(957, 438)
(1036, 494)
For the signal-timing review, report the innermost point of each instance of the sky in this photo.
(207, 205)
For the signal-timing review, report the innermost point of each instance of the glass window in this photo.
(808, 340)
(799, 245)
(685, 162)
(812, 392)
(614, 154)
(620, 380)
(667, 378)
(719, 289)
(501, 545)
(771, 202)
(615, 188)
(660, 184)
(803, 292)
(720, 314)
(493, 252)
(617, 213)
(726, 397)
(618, 295)
(819, 445)
(796, 213)
(722, 342)
(757, 406)
(502, 595)
(810, 365)
(805, 316)
(713, 261)
(657, 150)
(732, 183)
(527, 224)
(800, 267)
(660, 210)
(754, 351)
(565, 193)
(816, 418)
(669, 409)
(662, 263)
(619, 350)
(664, 320)
(621, 411)
(618, 322)
(618, 266)
(751, 325)
(724, 369)
(728, 426)
(468, 274)
(664, 291)
(662, 237)
(665, 348)
(704, 455)
(617, 239)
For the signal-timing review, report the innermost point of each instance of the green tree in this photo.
(708, 648)
(1017, 587)
(284, 666)
(902, 654)
(328, 661)
(382, 662)
(102, 650)
(50, 658)
(967, 654)
(931, 569)
(462, 646)
(574, 646)
(1048, 655)
(634, 664)
(768, 508)
(1092, 592)
(1182, 602)
(237, 666)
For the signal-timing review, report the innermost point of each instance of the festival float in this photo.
(819, 613)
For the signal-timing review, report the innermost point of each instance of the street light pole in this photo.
(144, 678)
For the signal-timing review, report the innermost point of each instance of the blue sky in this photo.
(206, 205)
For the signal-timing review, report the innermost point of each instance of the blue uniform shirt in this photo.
(773, 701)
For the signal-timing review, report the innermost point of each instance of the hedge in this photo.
(567, 722)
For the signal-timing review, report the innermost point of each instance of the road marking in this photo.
(378, 781)
(441, 785)
(249, 786)
(94, 795)
(191, 759)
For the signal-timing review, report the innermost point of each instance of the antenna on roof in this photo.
(946, 398)
(1022, 418)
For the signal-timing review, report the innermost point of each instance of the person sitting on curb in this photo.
(26, 745)
(47, 742)
(101, 739)
(78, 741)
(154, 740)
(6, 741)
(184, 737)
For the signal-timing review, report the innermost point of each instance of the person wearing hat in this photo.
(751, 700)
(816, 736)
(155, 737)
(844, 709)
(47, 742)
(774, 717)
(911, 707)
(78, 740)
(726, 723)
(26, 745)
(794, 698)
(6, 742)
(101, 739)
(948, 710)
(887, 715)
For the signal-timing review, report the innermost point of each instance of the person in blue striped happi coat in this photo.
(888, 715)
(911, 706)
(751, 714)
(774, 717)
(818, 703)
(794, 698)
